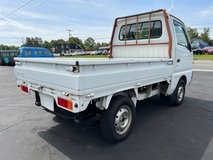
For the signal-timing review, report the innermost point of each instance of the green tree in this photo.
(211, 42)
(97, 46)
(103, 44)
(47, 45)
(6, 47)
(205, 35)
(89, 44)
(192, 32)
(57, 42)
(76, 40)
(33, 42)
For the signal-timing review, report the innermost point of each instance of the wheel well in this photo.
(129, 93)
(184, 79)
(103, 102)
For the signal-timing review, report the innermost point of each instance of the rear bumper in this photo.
(63, 113)
(49, 97)
(90, 112)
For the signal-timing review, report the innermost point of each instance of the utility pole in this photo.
(69, 30)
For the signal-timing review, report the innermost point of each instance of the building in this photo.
(105, 48)
(67, 48)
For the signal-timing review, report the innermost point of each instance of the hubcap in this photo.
(123, 119)
(180, 93)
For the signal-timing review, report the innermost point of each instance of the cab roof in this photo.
(31, 48)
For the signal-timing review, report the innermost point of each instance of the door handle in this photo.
(178, 60)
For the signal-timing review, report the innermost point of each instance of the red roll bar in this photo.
(166, 18)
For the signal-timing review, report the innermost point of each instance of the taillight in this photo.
(65, 103)
(24, 88)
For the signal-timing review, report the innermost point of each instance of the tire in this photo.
(163, 97)
(177, 97)
(117, 121)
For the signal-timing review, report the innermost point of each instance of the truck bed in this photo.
(91, 61)
(98, 74)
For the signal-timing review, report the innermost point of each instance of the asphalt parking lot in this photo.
(161, 132)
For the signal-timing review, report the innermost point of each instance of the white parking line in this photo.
(202, 70)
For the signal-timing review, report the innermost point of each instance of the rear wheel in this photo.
(178, 95)
(117, 121)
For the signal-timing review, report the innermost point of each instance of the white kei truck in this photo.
(150, 54)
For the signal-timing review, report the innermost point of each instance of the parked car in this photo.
(111, 87)
(66, 54)
(74, 53)
(104, 52)
(208, 50)
(7, 57)
(99, 52)
(197, 45)
(35, 52)
(93, 53)
(88, 52)
(56, 54)
(81, 53)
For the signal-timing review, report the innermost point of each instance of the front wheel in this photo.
(117, 121)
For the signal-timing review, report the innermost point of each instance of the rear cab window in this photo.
(143, 30)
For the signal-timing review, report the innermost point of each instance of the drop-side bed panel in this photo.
(93, 74)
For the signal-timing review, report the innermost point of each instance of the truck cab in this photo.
(154, 35)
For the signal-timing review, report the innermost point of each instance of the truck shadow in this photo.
(160, 132)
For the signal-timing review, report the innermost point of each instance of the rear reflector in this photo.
(24, 88)
(65, 103)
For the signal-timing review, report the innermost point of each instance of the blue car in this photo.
(98, 52)
(34, 52)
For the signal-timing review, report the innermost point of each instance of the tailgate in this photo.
(56, 76)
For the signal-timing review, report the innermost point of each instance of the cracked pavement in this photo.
(161, 132)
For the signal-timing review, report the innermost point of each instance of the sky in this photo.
(50, 19)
